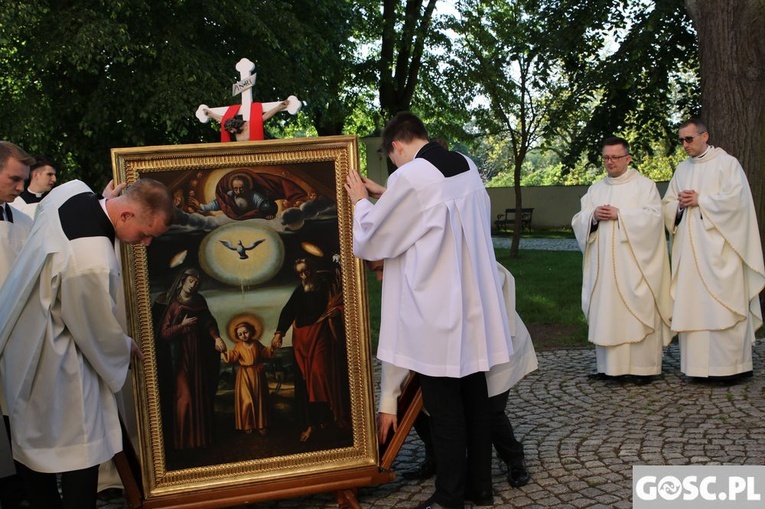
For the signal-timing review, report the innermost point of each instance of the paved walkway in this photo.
(541, 244)
(583, 436)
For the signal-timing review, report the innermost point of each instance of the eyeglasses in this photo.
(689, 139)
(614, 158)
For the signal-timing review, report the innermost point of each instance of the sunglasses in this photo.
(689, 139)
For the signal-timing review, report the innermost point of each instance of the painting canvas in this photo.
(251, 316)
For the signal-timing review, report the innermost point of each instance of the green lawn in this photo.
(557, 233)
(548, 297)
(548, 289)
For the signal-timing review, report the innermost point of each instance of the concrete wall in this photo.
(554, 206)
(377, 166)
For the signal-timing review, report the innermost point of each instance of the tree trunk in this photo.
(518, 226)
(399, 72)
(732, 56)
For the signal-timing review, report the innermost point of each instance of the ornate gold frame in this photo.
(340, 153)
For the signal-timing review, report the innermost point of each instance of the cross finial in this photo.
(245, 68)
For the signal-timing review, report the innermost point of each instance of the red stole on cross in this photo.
(256, 121)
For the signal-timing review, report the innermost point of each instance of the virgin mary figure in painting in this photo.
(188, 357)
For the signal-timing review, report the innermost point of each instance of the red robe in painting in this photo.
(196, 364)
(271, 187)
(318, 338)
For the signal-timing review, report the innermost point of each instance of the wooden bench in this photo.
(506, 220)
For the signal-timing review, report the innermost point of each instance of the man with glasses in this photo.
(625, 284)
(717, 264)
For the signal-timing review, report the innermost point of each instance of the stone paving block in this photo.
(581, 503)
(608, 499)
(523, 502)
(578, 432)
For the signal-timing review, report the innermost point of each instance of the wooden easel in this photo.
(409, 407)
(344, 484)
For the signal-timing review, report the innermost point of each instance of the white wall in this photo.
(554, 206)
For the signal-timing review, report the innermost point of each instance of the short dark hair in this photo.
(40, 161)
(615, 140)
(698, 124)
(404, 126)
(153, 196)
(11, 150)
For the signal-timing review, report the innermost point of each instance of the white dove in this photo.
(241, 248)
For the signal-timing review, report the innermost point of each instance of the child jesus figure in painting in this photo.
(251, 389)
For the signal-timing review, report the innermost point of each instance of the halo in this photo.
(312, 249)
(250, 318)
(178, 259)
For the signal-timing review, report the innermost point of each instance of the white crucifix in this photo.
(236, 121)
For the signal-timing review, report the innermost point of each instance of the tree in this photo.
(504, 56)
(732, 56)
(637, 72)
(82, 77)
(405, 32)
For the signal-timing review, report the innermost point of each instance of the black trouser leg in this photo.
(422, 427)
(80, 488)
(508, 448)
(11, 490)
(41, 488)
(459, 413)
(478, 418)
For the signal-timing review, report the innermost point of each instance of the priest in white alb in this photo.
(625, 282)
(63, 351)
(717, 263)
(14, 229)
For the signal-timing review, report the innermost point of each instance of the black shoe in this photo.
(480, 498)
(517, 475)
(598, 376)
(642, 379)
(429, 504)
(726, 381)
(723, 381)
(426, 470)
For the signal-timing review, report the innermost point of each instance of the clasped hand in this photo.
(688, 198)
(359, 187)
(606, 213)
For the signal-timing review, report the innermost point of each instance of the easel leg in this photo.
(129, 470)
(347, 499)
(132, 491)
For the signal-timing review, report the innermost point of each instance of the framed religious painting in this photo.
(251, 314)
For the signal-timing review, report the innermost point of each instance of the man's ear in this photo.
(126, 214)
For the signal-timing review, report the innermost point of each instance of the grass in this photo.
(555, 233)
(548, 289)
(548, 297)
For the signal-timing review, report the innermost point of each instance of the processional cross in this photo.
(245, 120)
